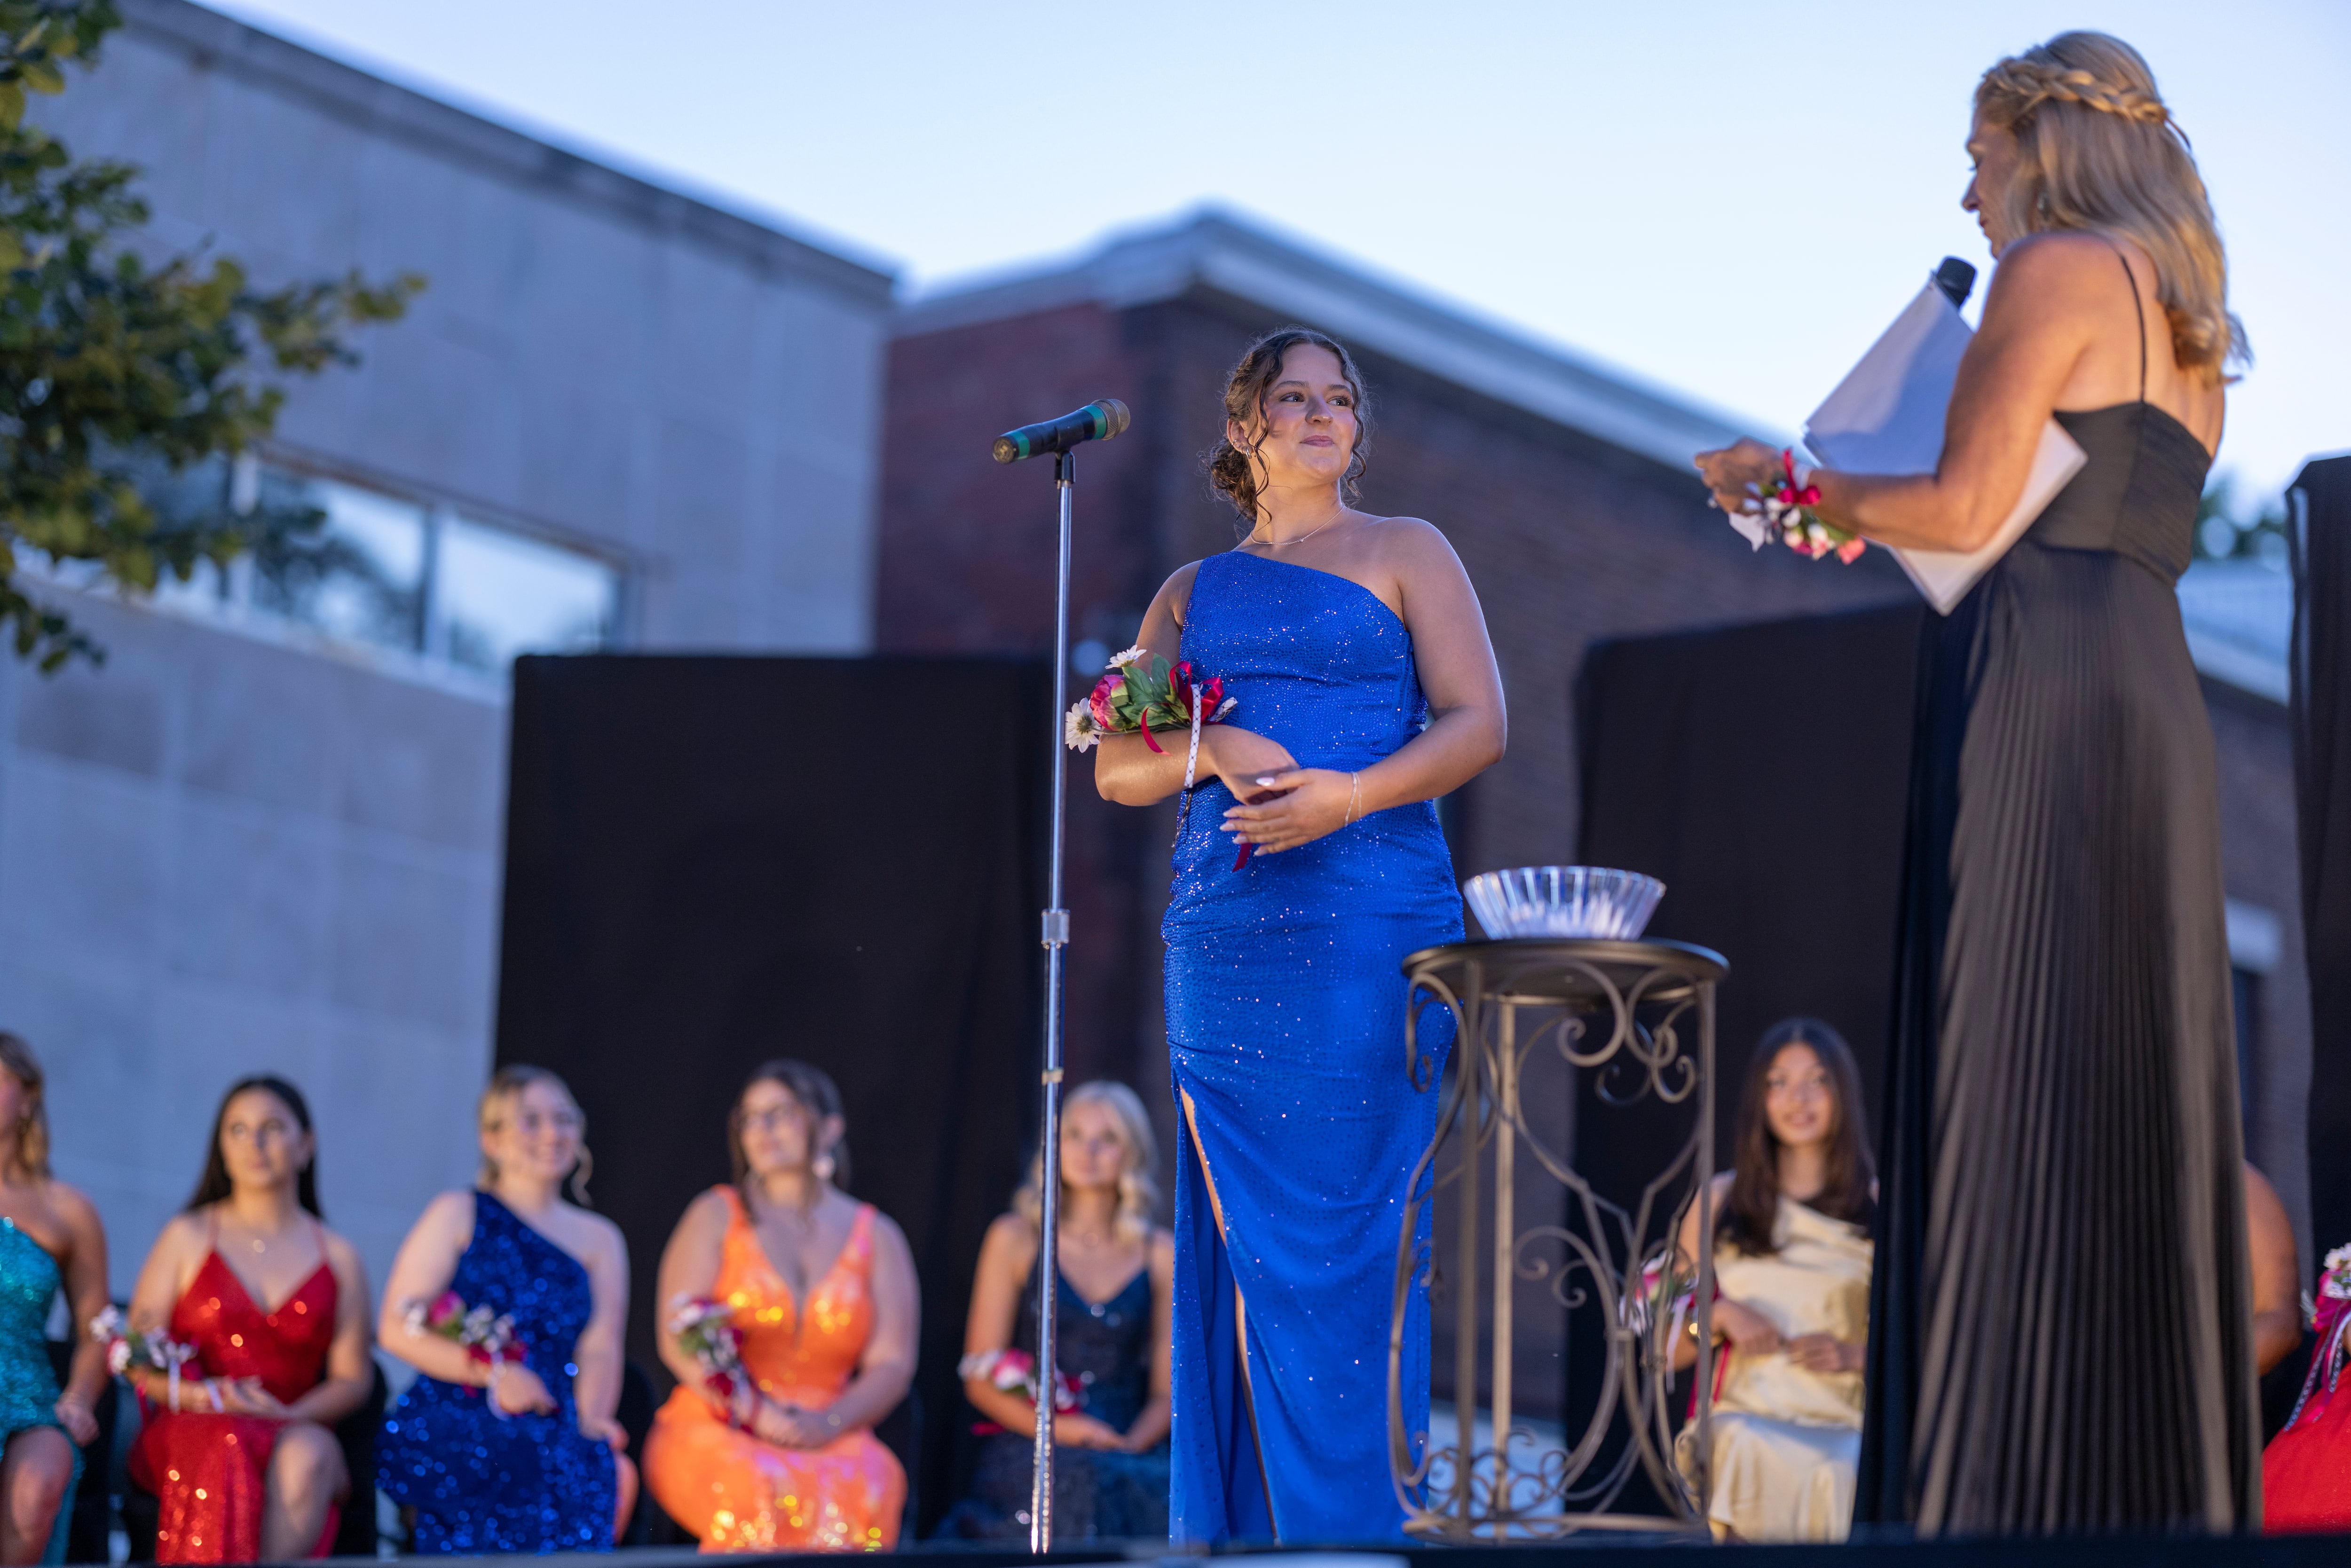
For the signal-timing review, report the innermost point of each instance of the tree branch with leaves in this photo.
(117, 373)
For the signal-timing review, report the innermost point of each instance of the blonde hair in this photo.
(1138, 1193)
(33, 1121)
(2101, 152)
(491, 1115)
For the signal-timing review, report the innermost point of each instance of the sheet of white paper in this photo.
(1887, 417)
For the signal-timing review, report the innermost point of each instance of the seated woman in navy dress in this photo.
(520, 1454)
(1118, 1273)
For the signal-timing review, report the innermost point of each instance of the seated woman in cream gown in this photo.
(1792, 1256)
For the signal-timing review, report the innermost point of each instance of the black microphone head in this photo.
(1957, 279)
(1114, 417)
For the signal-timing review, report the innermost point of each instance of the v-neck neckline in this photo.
(767, 1260)
(252, 1301)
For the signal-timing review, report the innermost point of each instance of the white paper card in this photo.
(1887, 417)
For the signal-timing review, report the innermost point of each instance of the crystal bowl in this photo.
(1564, 901)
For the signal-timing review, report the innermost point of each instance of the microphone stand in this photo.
(1056, 938)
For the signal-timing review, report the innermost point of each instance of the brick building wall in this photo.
(1567, 539)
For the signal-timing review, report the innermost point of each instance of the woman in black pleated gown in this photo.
(2060, 1336)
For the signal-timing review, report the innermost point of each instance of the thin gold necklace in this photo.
(1272, 543)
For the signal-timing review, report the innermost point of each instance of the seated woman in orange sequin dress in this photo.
(823, 1295)
(241, 1454)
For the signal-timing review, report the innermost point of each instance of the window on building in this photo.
(389, 572)
(496, 594)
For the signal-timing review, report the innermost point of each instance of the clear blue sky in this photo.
(1730, 199)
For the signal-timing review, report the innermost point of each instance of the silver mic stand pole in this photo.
(1057, 936)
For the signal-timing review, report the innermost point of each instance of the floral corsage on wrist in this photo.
(1015, 1372)
(705, 1330)
(2330, 1317)
(487, 1336)
(1783, 512)
(1133, 696)
(127, 1347)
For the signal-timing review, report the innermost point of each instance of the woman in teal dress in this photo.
(1367, 688)
(49, 1239)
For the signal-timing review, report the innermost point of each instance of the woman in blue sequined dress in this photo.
(49, 1238)
(1367, 688)
(529, 1460)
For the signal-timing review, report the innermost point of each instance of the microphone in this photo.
(1095, 422)
(1957, 279)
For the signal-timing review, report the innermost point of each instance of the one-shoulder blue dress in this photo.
(482, 1484)
(1285, 1024)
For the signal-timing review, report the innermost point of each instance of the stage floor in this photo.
(1614, 1552)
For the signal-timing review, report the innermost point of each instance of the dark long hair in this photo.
(215, 1186)
(1754, 1206)
(1235, 471)
(818, 1095)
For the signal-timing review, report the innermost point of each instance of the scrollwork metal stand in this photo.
(1622, 1011)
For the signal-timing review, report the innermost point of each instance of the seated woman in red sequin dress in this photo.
(240, 1453)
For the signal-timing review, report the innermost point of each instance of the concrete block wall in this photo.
(220, 857)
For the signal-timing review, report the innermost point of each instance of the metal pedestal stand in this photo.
(1640, 1016)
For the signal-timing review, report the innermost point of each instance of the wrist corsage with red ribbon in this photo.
(2331, 1323)
(1015, 1372)
(127, 1347)
(1134, 696)
(1782, 512)
(705, 1330)
(487, 1336)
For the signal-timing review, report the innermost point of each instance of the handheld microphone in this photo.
(1957, 279)
(1095, 422)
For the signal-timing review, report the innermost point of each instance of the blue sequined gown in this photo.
(525, 1484)
(1285, 1024)
(28, 1385)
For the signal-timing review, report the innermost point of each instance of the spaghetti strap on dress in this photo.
(2059, 1329)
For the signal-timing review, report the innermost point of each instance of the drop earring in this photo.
(822, 1166)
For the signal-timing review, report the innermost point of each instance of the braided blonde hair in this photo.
(1138, 1194)
(2101, 152)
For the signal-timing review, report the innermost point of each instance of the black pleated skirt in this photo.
(2060, 1335)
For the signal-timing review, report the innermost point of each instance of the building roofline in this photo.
(1215, 251)
(370, 102)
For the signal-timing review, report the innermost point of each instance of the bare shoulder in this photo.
(604, 1235)
(73, 1207)
(1175, 594)
(184, 1235)
(886, 1232)
(1411, 539)
(341, 1256)
(709, 1210)
(1010, 1244)
(1163, 1254)
(2055, 269)
(450, 1213)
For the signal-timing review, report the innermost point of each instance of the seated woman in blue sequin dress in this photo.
(521, 1456)
(1118, 1274)
(1367, 688)
(49, 1236)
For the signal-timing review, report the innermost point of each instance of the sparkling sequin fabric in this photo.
(28, 1283)
(1285, 1023)
(209, 1472)
(740, 1494)
(28, 1387)
(525, 1484)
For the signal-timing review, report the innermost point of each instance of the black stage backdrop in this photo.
(1760, 772)
(715, 860)
(2322, 757)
